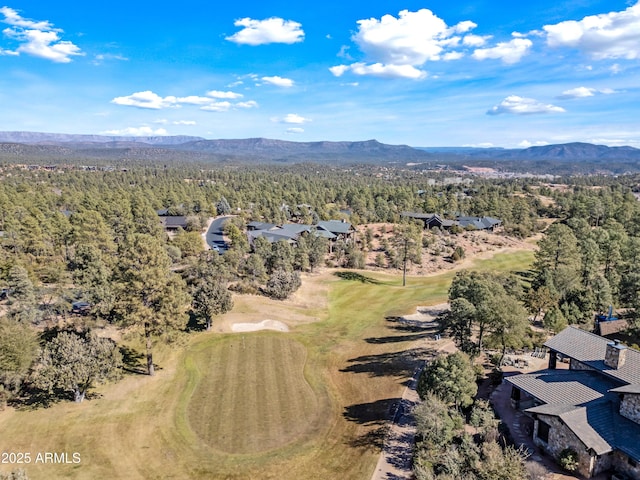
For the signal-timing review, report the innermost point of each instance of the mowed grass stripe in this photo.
(300, 405)
(252, 395)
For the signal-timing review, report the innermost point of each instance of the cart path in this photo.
(396, 458)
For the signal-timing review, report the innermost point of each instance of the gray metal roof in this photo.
(590, 349)
(335, 226)
(564, 387)
(627, 389)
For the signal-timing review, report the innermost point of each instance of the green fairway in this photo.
(251, 395)
(309, 404)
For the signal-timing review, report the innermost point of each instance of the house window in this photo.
(543, 431)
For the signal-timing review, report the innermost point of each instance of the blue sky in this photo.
(422, 73)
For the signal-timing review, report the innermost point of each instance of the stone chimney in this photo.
(615, 355)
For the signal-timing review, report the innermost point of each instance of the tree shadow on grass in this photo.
(375, 414)
(358, 277)
(394, 364)
(133, 361)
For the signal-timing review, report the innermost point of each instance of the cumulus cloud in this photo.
(411, 39)
(211, 102)
(380, 70)
(509, 52)
(271, 30)
(249, 104)
(36, 38)
(604, 36)
(475, 40)
(146, 99)
(136, 131)
(523, 106)
(219, 94)
(401, 46)
(578, 92)
(527, 144)
(583, 92)
(291, 118)
(278, 81)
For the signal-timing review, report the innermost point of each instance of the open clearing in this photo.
(343, 366)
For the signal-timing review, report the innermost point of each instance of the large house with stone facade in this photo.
(593, 407)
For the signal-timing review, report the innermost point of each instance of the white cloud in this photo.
(136, 132)
(608, 35)
(295, 130)
(479, 145)
(183, 122)
(210, 103)
(294, 118)
(452, 56)
(509, 52)
(101, 58)
(527, 144)
(271, 30)
(475, 40)
(339, 70)
(291, 118)
(219, 94)
(411, 39)
(278, 81)
(146, 99)
(217, 107)
(578, 92)
(36, 38)
(396, 47)
(615, 68)
(380, 70)
(249, 104)
(523, 106)
(583, 92)
(13, 18)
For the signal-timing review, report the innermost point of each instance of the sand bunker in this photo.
(426, 314)
(263, 325)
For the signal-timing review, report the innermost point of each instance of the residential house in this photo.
(433, 220)
(341, 229)
(593, 407)
(171, 223)
(290, 232)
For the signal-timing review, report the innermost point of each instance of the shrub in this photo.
(568, 459)
(281, 284)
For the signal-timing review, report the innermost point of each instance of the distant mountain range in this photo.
(53, 146)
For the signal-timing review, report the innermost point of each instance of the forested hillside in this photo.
(87, 248)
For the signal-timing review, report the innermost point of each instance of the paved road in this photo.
(214, 237)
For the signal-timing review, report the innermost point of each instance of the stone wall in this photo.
(576, 365)
(621, 464)
(560, 437)
(630, 407)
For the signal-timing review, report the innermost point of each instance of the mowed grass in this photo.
(251, 395)
(198, 417)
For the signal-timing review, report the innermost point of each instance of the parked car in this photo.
(80, 308)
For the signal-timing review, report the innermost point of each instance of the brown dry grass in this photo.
(356, 360)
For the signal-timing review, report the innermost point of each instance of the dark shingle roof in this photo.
(564, 387)
(590, 349)
(335, 226)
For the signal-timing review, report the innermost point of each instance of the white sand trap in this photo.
(263, 325)
(426, 314)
